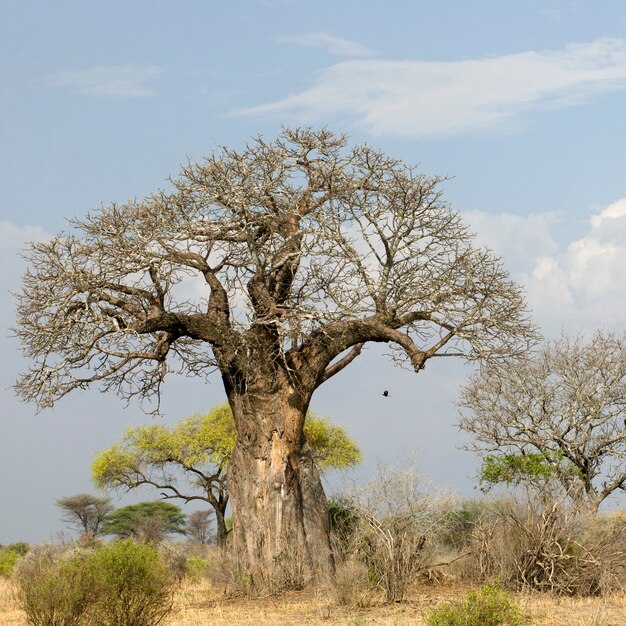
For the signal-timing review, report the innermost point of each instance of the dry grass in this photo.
(9, 615)
(199, 604)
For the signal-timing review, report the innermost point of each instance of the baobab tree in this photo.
(274, 265)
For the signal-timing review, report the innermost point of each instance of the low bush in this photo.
(174, 556)
(352, 586)
(119, 584)
(489, 606)
(10, 555)
(226, 573)
(53, 586)
(196, 568)
(393, 526)
(135, 587)
(8, 559)
(549, 545)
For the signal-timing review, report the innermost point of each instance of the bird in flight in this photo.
(386, 393)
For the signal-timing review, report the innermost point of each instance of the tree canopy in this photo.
(146, 521)
(559, 412)
(85, 512)
(265, 240)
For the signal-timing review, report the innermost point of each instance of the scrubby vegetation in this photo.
(10, 555)
(54, 586)
(390, 538)
(489, 606)
(387, 537)
(123, 583)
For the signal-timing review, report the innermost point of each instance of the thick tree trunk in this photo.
(280, 517)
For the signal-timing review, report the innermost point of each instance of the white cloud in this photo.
(581, 285)
(334, 45)
(115, 81)
(412, 98)
(614, 211)
(516, 238)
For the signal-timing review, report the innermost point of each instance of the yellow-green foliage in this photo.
(196, 567)
(118, 584)
(133, 585)
(331, 445)
(197, 440)
(110, 464)
(488, 606)
(208, 439)
(8, 559)
(54, 587)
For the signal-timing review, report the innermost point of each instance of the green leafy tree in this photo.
(146, 521)
(200, 449)
(273, 265)
(330, 446)
(85, 512)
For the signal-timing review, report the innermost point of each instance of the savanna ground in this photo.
(199, 604)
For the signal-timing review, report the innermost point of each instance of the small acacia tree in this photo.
(146, 521)
(201, 446)
(274, 264)
(559, 413)
(85, 512)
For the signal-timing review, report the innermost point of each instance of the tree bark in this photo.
(222, 531)
(280, 516)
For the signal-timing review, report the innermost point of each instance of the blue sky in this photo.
(521, 104)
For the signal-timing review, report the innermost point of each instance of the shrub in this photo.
(8, 559)
(196, 568)
(174, 557)
(287, 572)
(54, 587)
(10, 555)
(135, 587)
(225, 572)
(549, 545)
(398, 530)
(458, 525)
(489, 606)
(118, 584)
(21, 547)
(352, 585)
(343, 512)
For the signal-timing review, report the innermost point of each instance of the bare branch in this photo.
(567, 402)
(265, 262)
(335, 368)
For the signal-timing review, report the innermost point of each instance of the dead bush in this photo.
(226, 573)
(288, 571)
(397, 529)
(352, 584)
(549, 545)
